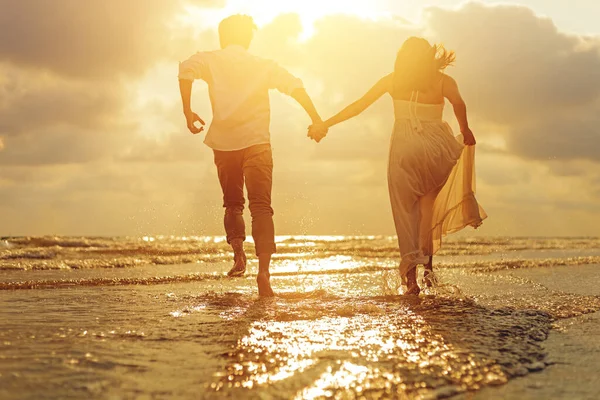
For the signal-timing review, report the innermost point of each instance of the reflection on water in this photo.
(381, 347)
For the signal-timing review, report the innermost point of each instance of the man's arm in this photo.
(302, 97)
(185, 88)
(286, 83)
(190, 69)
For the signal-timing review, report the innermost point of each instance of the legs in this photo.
(239, 258)
(263, 279)
(425, 225)
(253, 165)
(405, 209)
(231, 177)
(412, 287)
(427, 275)
(412, 217)
(425, 233)
(258, 171)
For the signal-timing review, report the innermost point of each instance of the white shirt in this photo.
(238, 85)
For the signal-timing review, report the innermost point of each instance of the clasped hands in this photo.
(317, 131)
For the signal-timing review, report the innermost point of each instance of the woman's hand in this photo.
(317, 131)
(468, 137)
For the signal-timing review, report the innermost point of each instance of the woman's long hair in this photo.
(417, 64)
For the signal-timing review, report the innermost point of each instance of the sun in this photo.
(264, 11)
(308, 10)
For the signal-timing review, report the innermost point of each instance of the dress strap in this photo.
(412, 111)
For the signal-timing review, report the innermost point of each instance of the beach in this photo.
(156, 317)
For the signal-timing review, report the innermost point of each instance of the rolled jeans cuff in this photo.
(235, 237)
(265, 248)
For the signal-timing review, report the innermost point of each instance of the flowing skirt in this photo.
(431, 180)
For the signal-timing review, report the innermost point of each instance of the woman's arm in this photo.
(452, 93)
(378, 90)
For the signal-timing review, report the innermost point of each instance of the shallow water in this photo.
(184, 330)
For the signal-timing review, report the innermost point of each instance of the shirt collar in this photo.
(235, 47)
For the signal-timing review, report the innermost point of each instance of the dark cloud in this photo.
(37, 101)
(519, 71)
(61, 146)
(508, 53)
(48, 119)
(556, 138)
(67, 72)
(91, 38)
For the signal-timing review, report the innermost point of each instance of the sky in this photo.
(93, 139)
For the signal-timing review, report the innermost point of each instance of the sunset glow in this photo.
(309, 11)
(113, 102)
(299, 199)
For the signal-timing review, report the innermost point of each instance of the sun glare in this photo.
(265, 11)
(309, 10)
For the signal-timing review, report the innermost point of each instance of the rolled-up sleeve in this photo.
(193, 68)
(282, 80)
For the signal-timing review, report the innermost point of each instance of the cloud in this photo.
(345, 53)
(517, 70)
(558, 137)
(30, 101)
(85, 199)
(93, 127)
(49, 119)
(92, 38)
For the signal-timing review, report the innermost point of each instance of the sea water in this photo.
(156, 317)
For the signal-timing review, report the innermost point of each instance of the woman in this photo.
(430, 174)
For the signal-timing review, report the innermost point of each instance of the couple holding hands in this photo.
(431, 174)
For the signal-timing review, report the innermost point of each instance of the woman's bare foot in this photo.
(263, 279)
(239, 265)
(412, 287)
(428, 273)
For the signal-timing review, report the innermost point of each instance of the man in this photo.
(238, 84)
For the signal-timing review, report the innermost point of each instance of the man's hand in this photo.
(317, 131)
(468, 137)
(191, 118)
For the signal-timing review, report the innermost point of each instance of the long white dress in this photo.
(431, 179)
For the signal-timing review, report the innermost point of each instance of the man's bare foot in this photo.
(263, 279)
(412, 287)
(239, 265)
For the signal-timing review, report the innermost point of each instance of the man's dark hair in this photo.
(237, 29)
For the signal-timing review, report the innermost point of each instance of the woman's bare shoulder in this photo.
(388, 79)
(386, 83)
(447, 79)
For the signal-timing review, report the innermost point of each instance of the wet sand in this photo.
(573, 346)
